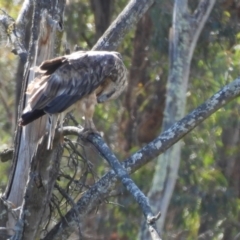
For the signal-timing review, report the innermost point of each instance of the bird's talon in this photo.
(88, 131)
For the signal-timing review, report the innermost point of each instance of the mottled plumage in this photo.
(82, 78)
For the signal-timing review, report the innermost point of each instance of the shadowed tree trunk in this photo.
(102, 10)
(137, 78)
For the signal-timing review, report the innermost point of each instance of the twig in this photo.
(23, 17)
(73, 204)
(122, 174)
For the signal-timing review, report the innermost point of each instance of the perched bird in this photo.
(81, 79)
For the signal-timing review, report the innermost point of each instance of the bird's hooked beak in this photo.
(104, 97)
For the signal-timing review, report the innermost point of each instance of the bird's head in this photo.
(115, 74)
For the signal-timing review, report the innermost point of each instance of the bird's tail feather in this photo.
(30, 116)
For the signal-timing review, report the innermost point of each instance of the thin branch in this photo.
(237, 236)
(21, 23)
(71, 201)
(202, 11)
(70, 130)
(198, 21)
(23, 17)
(103, 187)
(15, 38)
(122, 174)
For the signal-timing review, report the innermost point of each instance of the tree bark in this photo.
(20, 186)
(126, 20)
(23, 22)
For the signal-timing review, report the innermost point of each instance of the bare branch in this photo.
(202, 12)
(125, 22)
(70, 130)
(21, 23)
(198, 21)
(103, 187)
(14, 36)
(122, 174)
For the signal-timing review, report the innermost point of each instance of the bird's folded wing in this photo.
(69, 83)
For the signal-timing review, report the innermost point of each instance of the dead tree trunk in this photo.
(102, 10)
(27, 161)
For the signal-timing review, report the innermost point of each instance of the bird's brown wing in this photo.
(42, 73)
(65, 80)
(70, 82)
(50, 66)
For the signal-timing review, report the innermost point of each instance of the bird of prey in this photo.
(81, 79)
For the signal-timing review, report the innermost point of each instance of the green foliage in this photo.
(205, 197)
(79, 22)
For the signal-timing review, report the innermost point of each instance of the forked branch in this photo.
(103, 187)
